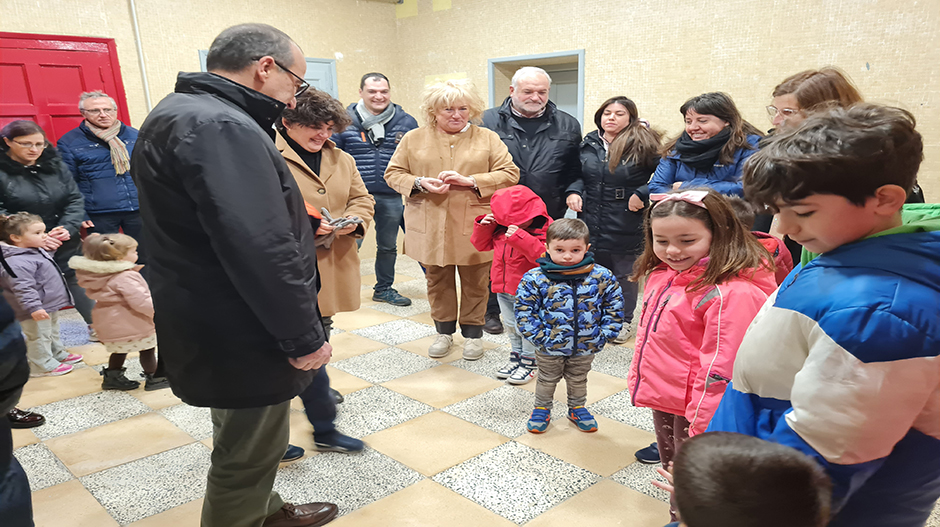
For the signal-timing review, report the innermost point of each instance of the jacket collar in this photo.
(293, 158)
(505, 112)
(100, 267)
(48, 163)
(263, 109)
(357, 120)
(83, 126)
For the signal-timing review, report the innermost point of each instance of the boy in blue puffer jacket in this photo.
(569, 308)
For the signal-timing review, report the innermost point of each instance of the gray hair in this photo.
(528, 72)
(94, 95)
(238, 46)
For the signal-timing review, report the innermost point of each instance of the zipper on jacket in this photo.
(504, 268)
(574, 293)
(662, 309)
(639, 359)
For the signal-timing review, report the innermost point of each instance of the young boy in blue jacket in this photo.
(842, 361)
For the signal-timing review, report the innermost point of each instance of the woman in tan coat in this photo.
(447, 170)
(327, 178)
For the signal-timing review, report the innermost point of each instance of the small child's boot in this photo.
(115, 380)
(155, 383)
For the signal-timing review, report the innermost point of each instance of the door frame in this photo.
(579, 53)
(42, 41)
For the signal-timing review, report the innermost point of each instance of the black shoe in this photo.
(492, 325)
(25, 419)
(115, 380)
(337, 397)
(648, 455)
(337, 442)
(154, 383)
(390, 296)
(293, 453)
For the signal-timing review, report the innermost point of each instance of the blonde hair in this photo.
(16, 224)
(445, 93)
(108, 247)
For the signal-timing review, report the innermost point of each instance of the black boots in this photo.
(115, 380)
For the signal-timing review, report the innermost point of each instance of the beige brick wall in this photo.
(657, 53)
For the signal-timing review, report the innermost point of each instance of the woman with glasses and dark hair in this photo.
(616, 162)
(34, 179)
(711, 151)
(328, 179)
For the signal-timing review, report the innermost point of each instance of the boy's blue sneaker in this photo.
(581, 417)
(538, 423)
(293, 453)
(648, 455)
(337, 442)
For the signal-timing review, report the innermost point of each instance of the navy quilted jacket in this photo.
(371, 160)
(89, 159)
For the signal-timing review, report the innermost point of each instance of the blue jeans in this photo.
(520, 346)
(622, 266)
(319, 404)
(389, 216)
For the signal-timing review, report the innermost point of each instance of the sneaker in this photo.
(626, 333)
(293, 453)
(580, 416)
(538, 423)
(154, 383)
(72, 359)
(390, 296)
(115, 380)
(524, 373)
(648, 455)
(441, 346)
(472, 349)
(61, 369)
(492, 324)
(337, 442)
(92, 335)
(506, 371)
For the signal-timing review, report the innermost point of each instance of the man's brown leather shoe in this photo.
(307, 515)
(24, 419)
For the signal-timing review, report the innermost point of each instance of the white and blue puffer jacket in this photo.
(843, 364)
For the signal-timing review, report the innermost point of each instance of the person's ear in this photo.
(889, 199)
(264, 68)
(15, 238)
(588, 248)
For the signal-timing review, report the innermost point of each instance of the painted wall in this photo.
(657, 53)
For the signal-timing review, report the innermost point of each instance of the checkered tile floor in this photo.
(446, 441)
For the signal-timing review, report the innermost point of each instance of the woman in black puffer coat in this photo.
(617, 161)
(34, 179)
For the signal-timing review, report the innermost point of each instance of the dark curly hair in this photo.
(316, 108)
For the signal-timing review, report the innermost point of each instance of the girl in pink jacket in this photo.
(123, 313)
(706, 278)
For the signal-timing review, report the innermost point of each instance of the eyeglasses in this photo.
(772, 111)
(99, 111)
(302, 87)
(30, 146)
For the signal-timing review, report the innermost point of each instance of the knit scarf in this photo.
(567, 272)
(704, 154)
(375, 124)
(119, 156)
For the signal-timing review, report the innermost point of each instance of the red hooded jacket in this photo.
(782, 258)
(514, 255)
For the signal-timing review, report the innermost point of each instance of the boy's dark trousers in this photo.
(319, 404)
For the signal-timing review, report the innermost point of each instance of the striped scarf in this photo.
(119, 156)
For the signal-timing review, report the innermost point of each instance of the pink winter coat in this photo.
(123, 309)
(686, 342)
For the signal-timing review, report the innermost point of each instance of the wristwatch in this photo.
(418, 185)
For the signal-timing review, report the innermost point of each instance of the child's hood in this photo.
(12, 250)
(95, 274)
(518, 204)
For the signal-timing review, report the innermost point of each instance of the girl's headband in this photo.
(695, 197)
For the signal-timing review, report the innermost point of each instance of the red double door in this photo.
(42, 76)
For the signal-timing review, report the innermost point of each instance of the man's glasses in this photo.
(302, 87)
(30, 146)
(99, 111)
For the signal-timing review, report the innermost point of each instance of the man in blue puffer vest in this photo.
(377, 127)
(98, 152)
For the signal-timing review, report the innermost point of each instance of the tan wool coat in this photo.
(438, 226)
(340, 189)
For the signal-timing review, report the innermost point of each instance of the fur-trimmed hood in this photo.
(101, 267)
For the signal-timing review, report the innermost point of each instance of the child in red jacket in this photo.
(515, 232)
(783, 260)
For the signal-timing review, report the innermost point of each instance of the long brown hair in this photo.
(636, 143)
(814, 87)
(721, 105)
(733, 249)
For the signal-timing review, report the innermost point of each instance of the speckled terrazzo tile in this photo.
(72, 329)
(396, 332)
(413, 288)
(613, 360)
(502, 339)
(638, 476)
(374, 409)
(151, 485)
(384, 365)
(350, 481)
(934, 519)
(417, 307)
(486, 366)
(196, 422)
(366, 266)
(80, 413)
(516, 481)
(620, 408)
(407, 266)
(504, 410)
(42, 467)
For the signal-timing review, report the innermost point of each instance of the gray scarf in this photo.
(375, 124)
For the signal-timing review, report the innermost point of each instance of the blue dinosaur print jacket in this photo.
(569, 317)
